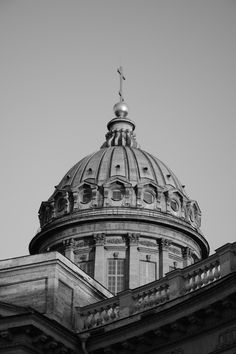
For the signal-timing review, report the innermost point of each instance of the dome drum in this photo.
(163, 247)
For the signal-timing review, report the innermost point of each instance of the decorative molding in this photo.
(148, 243)
(69, 243)
(115, 241)
(149, 250)
(100, 239)
(164, 244)
(175, 251)
(133, 238)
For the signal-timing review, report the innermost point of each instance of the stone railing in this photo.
(202, 273)
(179, 282)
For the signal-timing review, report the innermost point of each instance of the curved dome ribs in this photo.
(151, 166)
(126, 164)
(129, 165)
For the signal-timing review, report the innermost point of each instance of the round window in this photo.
(174, 205)
(116, 194)
(86, 195)
(148, 197)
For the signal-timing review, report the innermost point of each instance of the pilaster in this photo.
(164, 246)
(100, 262)
(133, 240)
(186, 254)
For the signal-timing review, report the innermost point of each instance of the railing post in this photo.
(126, 303)
(227, 258)
(176, 283)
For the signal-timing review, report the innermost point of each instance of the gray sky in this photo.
(59, 83)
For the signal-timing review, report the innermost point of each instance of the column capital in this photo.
(69, 243)
(164, 244)
(133, 238)
(186, 252)
(99, 239)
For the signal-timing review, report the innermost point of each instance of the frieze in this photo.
(83, 243)
(145, 250)
(175, 250)
(148, 243)
(115, 240)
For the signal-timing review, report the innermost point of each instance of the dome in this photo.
(121, 207)
(127, 163)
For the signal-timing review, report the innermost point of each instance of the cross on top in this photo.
(120, 72)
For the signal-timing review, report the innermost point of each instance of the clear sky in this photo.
(59, 83)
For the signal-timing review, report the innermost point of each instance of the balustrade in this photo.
(202, 275)
(93, 316)
(176, 283)
(149, 298)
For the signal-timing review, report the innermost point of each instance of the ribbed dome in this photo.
(133, 164)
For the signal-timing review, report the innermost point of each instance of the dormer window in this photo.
(174, 205)
(86, 195)
(116, 194)
(61, 203)
(148, 197)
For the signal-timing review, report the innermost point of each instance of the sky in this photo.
(59, 82)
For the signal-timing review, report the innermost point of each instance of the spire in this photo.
(120, 128)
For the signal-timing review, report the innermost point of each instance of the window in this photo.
(116, 194)
(147, 272)
(87, 267)
(174, 205)
(148, 197)
(86, 195)
(61, 203)
(116, 275)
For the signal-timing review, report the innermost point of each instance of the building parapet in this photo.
(177, 283)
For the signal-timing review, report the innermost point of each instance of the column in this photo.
(100, 261)
(133, 240)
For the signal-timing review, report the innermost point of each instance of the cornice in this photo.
(125, 214)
